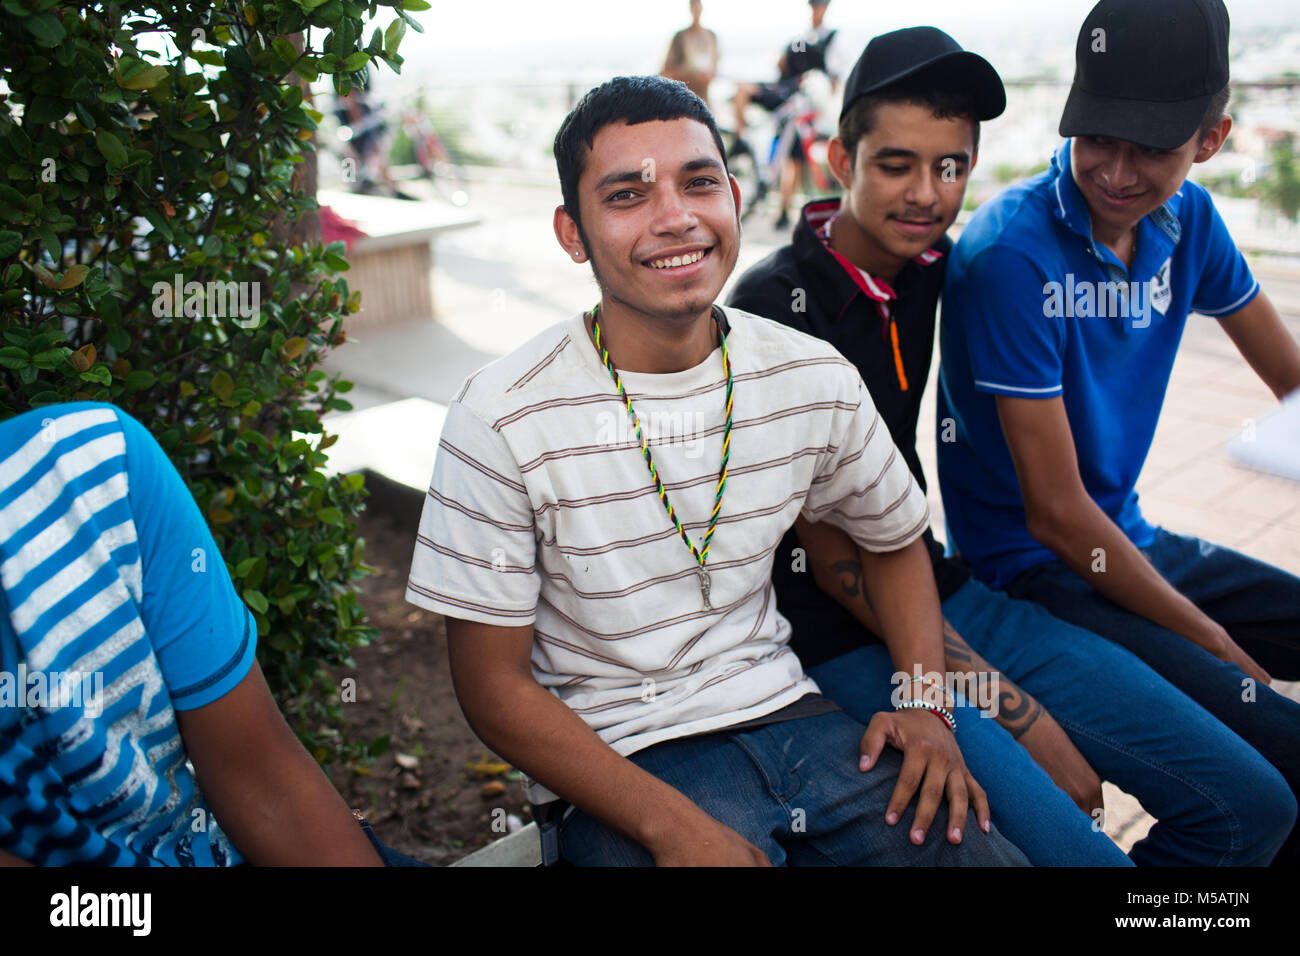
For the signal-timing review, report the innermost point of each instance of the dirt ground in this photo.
(437, 793)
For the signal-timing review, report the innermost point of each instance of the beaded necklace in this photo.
(700, 554)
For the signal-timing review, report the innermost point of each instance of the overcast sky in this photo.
(512, 39)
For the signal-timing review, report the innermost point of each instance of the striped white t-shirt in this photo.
(542, 511)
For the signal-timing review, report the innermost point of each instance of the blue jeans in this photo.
(1259, 606)
(793, 789)
(1218, 802)
(1030, 810)
(388, 856)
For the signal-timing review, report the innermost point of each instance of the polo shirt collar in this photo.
(1158, 232)
(812, 241)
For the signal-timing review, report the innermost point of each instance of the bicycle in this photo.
(795, 128)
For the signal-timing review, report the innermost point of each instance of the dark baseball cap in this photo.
(917, 51)
(1146, 72)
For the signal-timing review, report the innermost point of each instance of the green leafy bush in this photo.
(154, 254)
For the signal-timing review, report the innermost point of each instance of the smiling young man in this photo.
(611, 624)
(1064, 305)
(865, 275)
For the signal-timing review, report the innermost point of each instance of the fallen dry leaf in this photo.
(487, 768)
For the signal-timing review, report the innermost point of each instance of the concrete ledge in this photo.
(522, 848)
(397, 439)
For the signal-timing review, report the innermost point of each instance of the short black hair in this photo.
(943, 100)
(624, 99)
(1214, 112)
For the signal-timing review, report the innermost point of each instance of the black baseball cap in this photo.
(916, 51)
(1146, 72)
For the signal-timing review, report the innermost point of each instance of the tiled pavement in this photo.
(500, 283)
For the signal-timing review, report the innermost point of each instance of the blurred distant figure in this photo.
(814, 50)
(693, 55)
(809, 51)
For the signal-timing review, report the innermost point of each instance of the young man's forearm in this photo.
(1017, 710)
(1091, 545)
(271, 798)
(890, 594)
(538, 733)
(900, 586)
(837, 569)
(1266, 344)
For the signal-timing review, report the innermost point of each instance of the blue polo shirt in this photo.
(1033, 307)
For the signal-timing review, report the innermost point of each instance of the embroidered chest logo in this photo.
(1162, 292)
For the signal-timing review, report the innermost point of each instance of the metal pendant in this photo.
(705, 584)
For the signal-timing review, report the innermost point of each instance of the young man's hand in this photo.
(707, 843)
(1218, 642)
(1053, 750)
(933, 762)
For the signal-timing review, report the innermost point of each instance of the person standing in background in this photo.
(693, 55)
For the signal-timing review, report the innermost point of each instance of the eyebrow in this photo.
(634, 175)
(896, 152)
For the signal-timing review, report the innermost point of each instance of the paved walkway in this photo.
(500, 283)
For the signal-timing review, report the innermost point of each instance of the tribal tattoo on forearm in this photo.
(850, 573)
(1017, 711)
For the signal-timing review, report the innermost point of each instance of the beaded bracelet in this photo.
(942, 713)
(929, 682)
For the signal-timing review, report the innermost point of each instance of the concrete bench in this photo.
(521, 848)
(392, 265)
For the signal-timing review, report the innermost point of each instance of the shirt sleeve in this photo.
(202, 634)
(837, 58)
(863, 486)
(1014, 323)
(475, 553)
(1226, 284)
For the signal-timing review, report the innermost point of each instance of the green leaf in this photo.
(10, 243)
(119, 338)
(98, 373)
(223, 386)
(50, 240)
(110, 147)
(139, 379)
(146, 79)
(393, 35)
(256, 600)
(46, 28)
(46, 109)
(356, 61)
(282, 642)
(253, 577)
(415, 4)
(330, 515)
(284, 49)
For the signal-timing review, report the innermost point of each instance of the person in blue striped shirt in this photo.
(136, 728)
